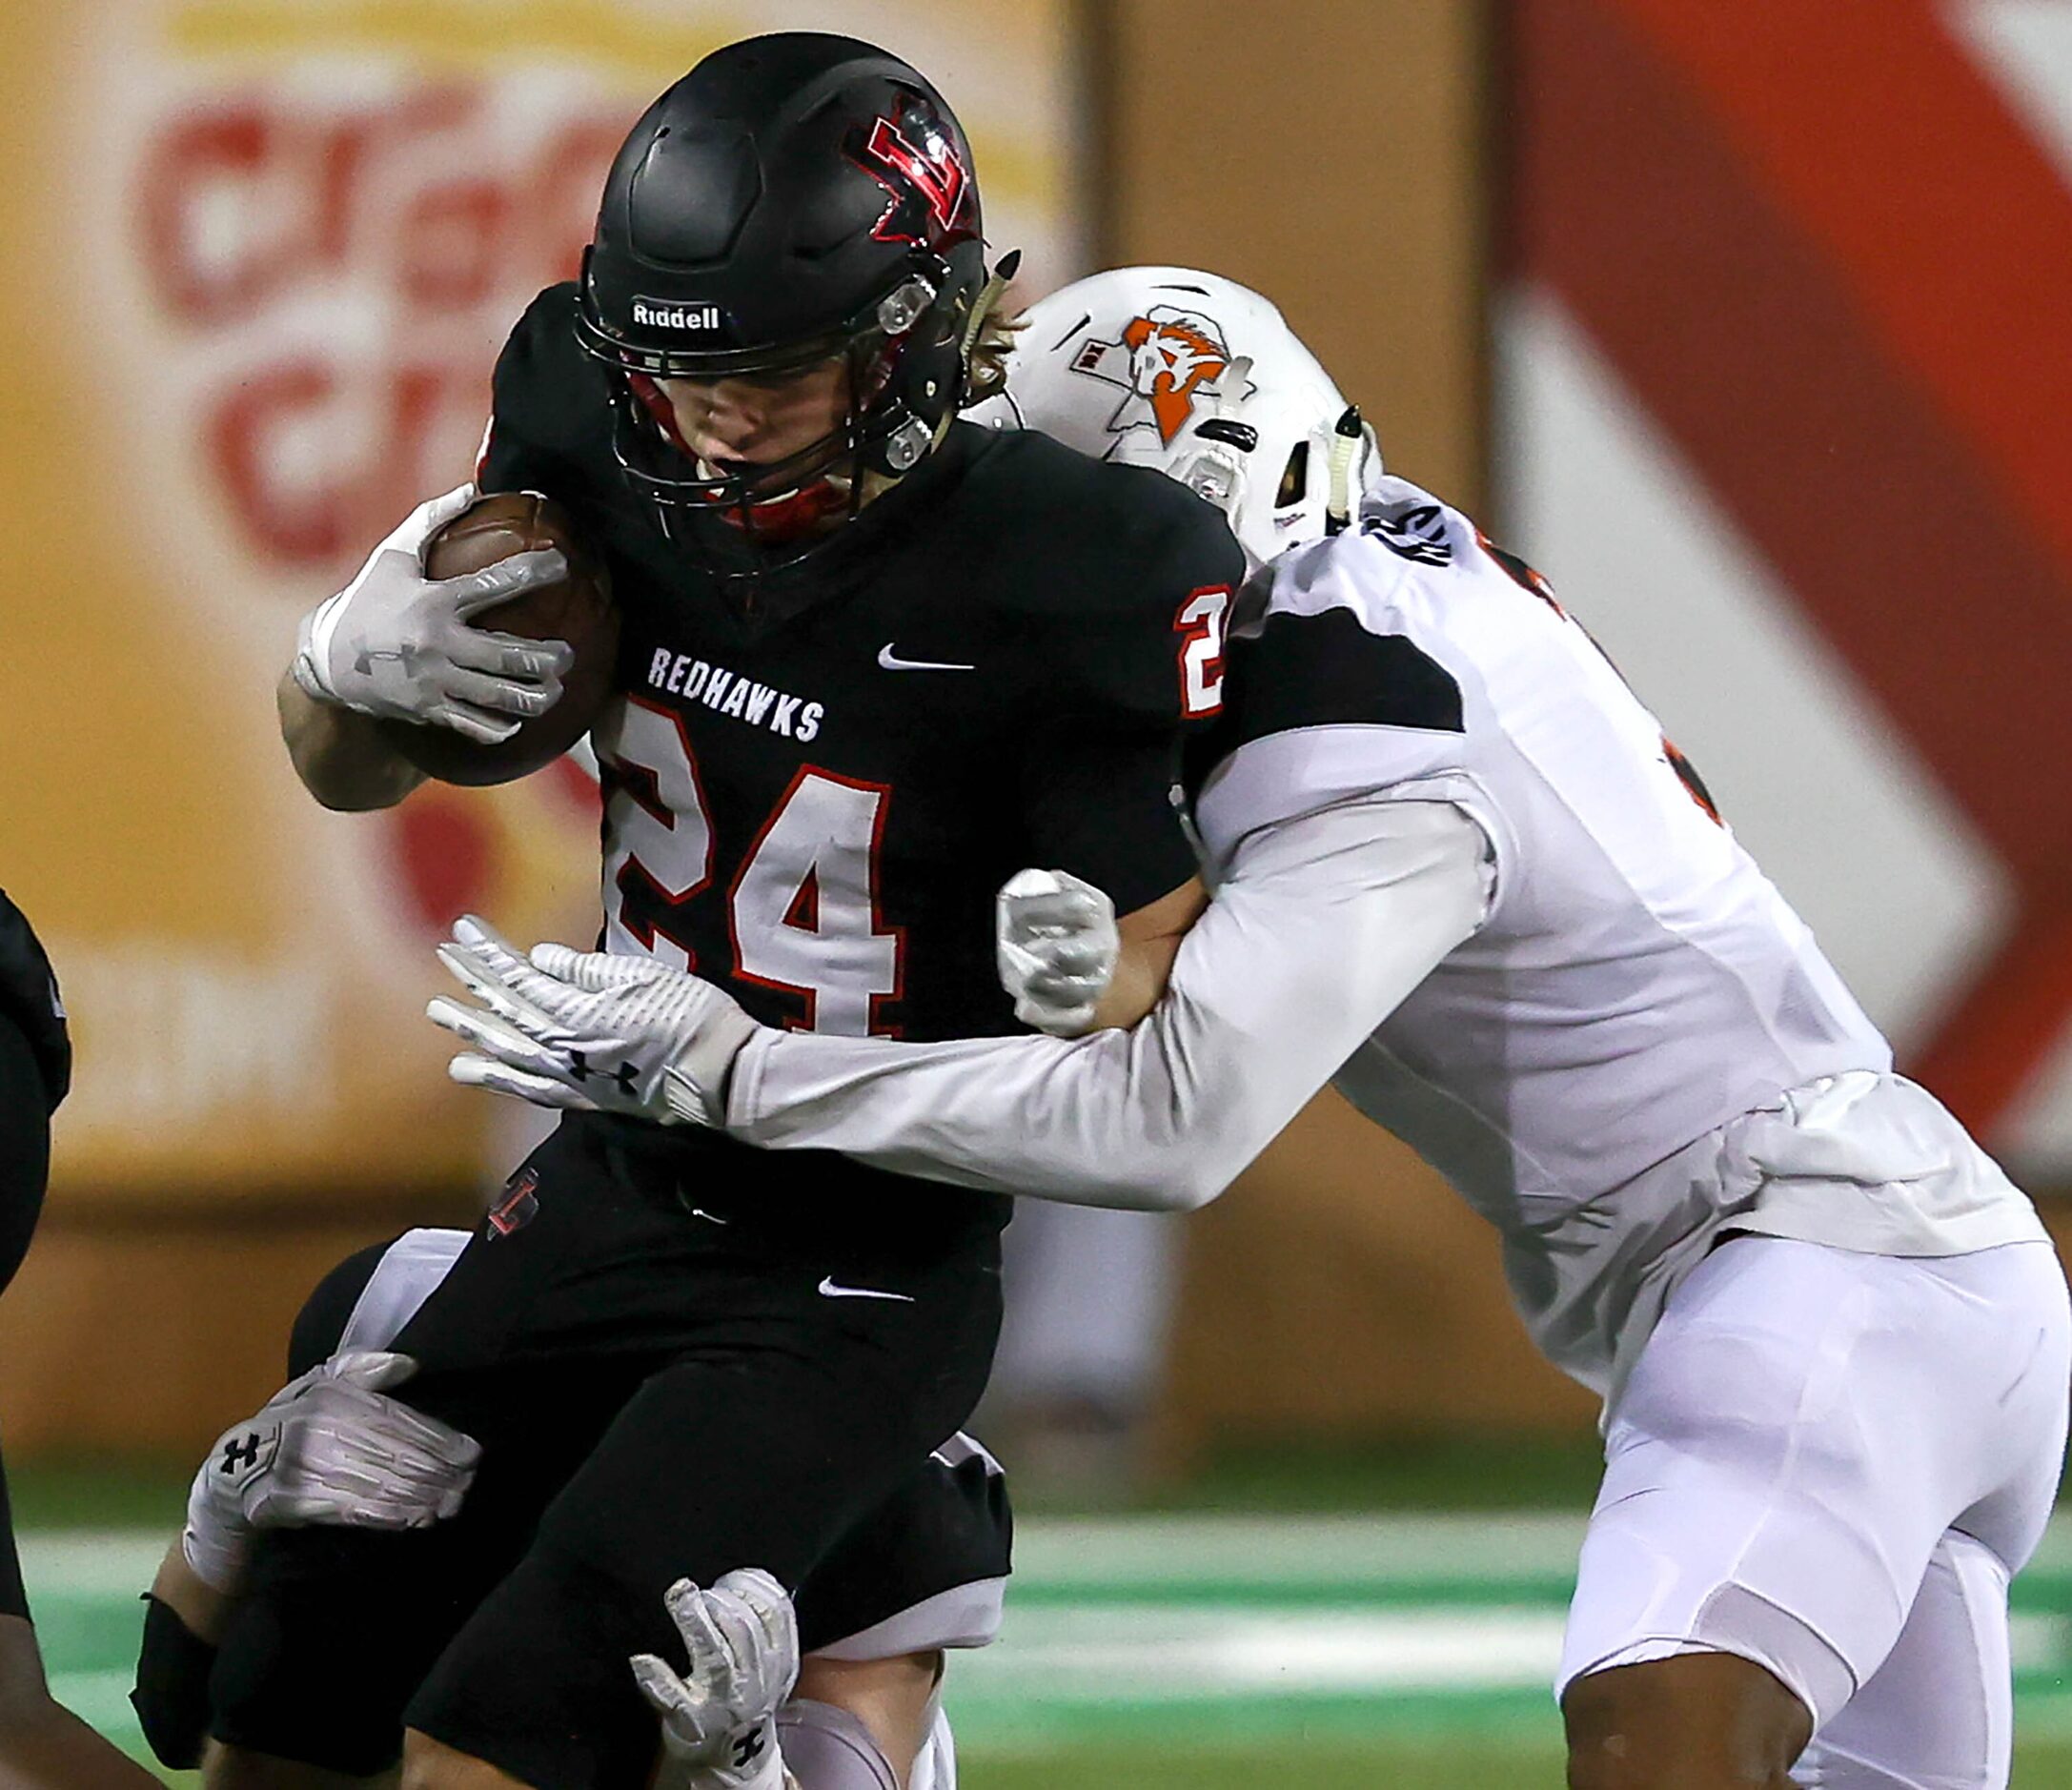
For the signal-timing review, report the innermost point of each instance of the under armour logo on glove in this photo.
(246, 1457)
(411, 661)
(625, 1077)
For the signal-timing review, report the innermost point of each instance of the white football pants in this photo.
(1833, 1463)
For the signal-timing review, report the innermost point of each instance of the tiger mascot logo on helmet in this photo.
(1167, 357)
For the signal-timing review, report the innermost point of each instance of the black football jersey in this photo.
(816, 783)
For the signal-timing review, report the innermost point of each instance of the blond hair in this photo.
(991, 349)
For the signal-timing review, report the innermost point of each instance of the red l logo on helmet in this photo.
(934, 173)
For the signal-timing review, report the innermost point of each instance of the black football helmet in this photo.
(792, 199)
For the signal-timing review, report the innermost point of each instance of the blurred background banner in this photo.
(1749, 325)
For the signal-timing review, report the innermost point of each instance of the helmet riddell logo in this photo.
(670, 314)
(1164, 360)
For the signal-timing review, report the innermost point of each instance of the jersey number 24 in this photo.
(803, 911)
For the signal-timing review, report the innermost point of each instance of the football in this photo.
(577, 608)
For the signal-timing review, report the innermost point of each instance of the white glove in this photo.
(327, 1448)
(719, 1715)
(590, 1031)
(1056, 945)
(396, 644)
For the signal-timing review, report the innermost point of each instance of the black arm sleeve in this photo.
(172, 1694)
(173, 1666)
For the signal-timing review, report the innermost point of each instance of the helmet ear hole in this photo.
(1294, 477)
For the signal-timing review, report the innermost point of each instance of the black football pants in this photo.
(706, 1395)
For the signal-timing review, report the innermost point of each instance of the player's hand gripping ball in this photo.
(576, 609)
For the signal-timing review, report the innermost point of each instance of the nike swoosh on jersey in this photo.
(889, 660)
(829, 1289)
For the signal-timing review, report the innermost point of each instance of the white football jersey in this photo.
(1638, 980)
(1642, 1043)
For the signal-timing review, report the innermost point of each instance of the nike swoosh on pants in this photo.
(829, 1289)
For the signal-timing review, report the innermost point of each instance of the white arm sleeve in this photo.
(1320, 926)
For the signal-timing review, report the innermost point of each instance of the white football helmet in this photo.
(1202, 378)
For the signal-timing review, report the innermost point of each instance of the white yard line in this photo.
(1348, 1550)
(1185, 1652)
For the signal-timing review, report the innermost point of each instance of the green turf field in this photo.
(1206, 1650)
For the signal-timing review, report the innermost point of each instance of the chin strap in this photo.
(799, 513)
(656, 402)
(996, 284)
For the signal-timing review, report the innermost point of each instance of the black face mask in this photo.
(766, 581)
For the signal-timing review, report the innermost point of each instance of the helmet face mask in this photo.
(664, 468)
(795, 200)
(761, 499)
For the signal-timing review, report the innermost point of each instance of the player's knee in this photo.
(1695, 1722)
